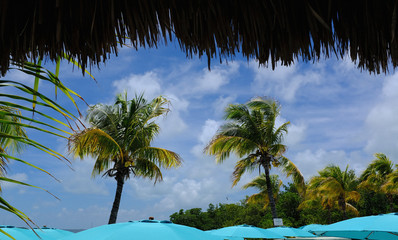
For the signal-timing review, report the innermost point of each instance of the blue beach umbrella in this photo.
(46, 233)
(28, 234)
(17, 233)
(244, 231)
(143, 230)
(291, 232)
(378, 227)
(311, 227)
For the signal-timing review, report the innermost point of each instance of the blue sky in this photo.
(338, 115)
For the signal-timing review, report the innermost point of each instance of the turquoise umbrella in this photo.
(17, 233)
(46, 233)
(291, 232)
(28, 234)
(244, 231)
(143, 230)
(378, 227)
(311, 227)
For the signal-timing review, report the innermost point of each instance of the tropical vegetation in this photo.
(120, 140)
(260, 183)
(251, 133)
(24, 108)
(334, 188)
(324, 201)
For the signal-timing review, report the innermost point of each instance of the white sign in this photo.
(278, 222)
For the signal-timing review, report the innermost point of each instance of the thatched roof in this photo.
(268, 30)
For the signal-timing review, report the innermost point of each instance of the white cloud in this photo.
(296, 134)
(148, 83)
(283, 82)
(173, 124)
(196, 84)
(211, 81)
(209, 129)
(221, 103)
(382, 120)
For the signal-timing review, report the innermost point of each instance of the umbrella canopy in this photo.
(143, 230)
(17, 233)
(384, 226)
(291, 232)
(46, 233)
(244, 231)
(28, 234)
(310, 227)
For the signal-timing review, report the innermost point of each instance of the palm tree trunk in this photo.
(390, 202)
(329, 215)
(116, 201)
(269, 191)
(342, 204)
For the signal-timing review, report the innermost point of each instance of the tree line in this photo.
(334, 194)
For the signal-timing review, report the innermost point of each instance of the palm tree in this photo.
(375, 175)
(260, 183)
(390, 187)
(120, 140)
(314, 199)
(251, 133)
(335, 187)
(379, 177)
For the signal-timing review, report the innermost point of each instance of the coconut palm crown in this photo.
(375, 175)
(252, 135)
(336, 187)
(120, 140)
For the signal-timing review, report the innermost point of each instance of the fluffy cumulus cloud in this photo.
(382, 120)
(221, 102)
(283, 82)
(212, 81)
(148, 83)
(195, 83)
(296, 132)
(151, 85)
(209, 129)
(173, 124)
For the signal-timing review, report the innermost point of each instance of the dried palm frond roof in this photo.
(267, 30)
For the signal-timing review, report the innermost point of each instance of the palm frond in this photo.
(94, 142)
(144, 168)
(291, 170)
(246, 164)
(160, 156)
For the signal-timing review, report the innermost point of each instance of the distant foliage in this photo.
(297, 210)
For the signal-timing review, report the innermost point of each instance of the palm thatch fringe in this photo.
(267, 30)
